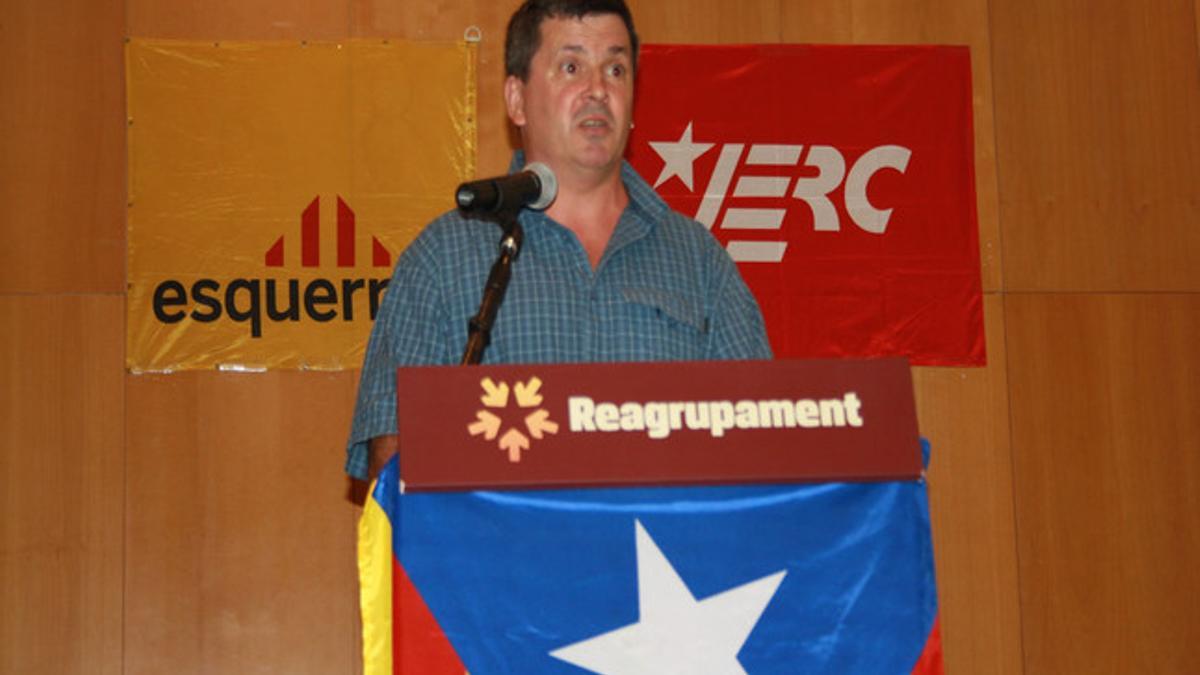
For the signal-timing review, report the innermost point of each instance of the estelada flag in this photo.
(829, 578)
(841, 178)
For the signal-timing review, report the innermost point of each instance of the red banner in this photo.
(841, 178)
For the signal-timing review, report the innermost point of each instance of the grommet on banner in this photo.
(240, 368)
(473, 34)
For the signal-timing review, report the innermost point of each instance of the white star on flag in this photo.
(679, 157)
(675, 633)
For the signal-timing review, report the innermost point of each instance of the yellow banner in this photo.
(272, 186)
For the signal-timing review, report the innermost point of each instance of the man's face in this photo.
(574, 111)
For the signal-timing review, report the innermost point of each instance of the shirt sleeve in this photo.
(409, 330)
(736, 328)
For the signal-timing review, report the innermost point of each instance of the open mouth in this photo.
(594, 123)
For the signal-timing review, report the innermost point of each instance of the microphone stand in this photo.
(479, 328)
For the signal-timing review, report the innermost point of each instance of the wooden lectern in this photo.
(755, 517)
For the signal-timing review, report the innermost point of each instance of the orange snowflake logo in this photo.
(488, 423)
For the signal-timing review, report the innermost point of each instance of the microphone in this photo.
(534, 187)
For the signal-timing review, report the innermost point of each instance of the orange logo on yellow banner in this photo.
(488, 424)
(273, 185)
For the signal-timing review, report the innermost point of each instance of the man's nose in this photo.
(597, 85)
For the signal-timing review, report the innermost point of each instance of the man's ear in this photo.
(514, 99)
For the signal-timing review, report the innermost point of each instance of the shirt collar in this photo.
(639, 219)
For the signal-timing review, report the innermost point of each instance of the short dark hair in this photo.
(524, 35)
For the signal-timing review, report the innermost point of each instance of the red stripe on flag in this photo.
(930, 662)
(418, 643)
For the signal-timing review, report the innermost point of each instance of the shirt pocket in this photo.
(683, 314)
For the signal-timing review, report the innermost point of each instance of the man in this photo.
(607, 273)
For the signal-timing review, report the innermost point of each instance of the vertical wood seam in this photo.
(1012, 460)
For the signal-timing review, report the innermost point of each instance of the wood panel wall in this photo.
(143, 526)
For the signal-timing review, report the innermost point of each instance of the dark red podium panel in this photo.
(664, 423)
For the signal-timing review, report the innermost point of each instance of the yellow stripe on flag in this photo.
(375, 587)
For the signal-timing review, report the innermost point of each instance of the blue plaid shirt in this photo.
(664, 289)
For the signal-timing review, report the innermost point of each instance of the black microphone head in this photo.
(533, 187)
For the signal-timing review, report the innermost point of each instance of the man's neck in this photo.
(590, 209)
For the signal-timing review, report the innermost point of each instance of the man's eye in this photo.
(616, 70)
(570, 68)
